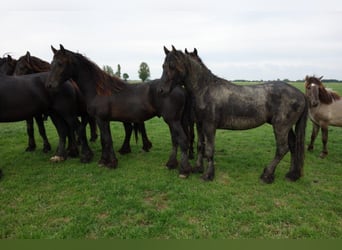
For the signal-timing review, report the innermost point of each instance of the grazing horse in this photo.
(220, 104)
(111, 99)
(325, 108)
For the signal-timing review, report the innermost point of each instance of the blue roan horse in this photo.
(111, 99)
(221, 104)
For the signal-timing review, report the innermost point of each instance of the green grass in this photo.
(141, 199)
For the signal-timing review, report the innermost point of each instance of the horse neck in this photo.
(199, 78)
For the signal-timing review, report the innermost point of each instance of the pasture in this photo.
(142, 199)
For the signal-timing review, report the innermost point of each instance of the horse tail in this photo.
(300, 140)
(137, 129)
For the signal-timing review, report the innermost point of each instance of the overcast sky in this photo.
(243, 39)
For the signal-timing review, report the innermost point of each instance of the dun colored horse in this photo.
(111, 99)
(220, 104)
(325, 109)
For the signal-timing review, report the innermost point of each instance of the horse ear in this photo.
(9, 58)
(195, 52)
(320, 78)
(53, 50)
(61, 48)
(28, 56)
(173, 48)
(186, 51)
(166, 50)
(306, 78)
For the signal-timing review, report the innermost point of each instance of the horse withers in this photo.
(325, 109)
(220, 104)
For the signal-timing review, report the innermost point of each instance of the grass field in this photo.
(141, 199)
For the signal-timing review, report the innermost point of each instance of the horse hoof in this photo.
(124, 151)
(208, 177)
(47, 148)
(108, 164)
(30, 149)
(197, 170)
(292, 176)
(172, 164)
(57, 159)
(183, 176)
(323, 155)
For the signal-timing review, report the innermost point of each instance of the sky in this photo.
(243, 39)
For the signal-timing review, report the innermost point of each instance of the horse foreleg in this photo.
(108, 157)
(209, 138)
(30, 132)
(198, 168)
(93, 129)
(42, 132)
(172, 162)
(324, 152)
(147, 144)
(62, 132)
(126, 147)
(315, 130)
(86, 153)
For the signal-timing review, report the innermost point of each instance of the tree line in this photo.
(144, 72)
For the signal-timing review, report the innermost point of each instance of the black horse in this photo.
(111, 99)
(221, 104)
(30, 64)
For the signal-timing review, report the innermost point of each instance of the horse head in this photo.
(174, 70)
(7, 65)
(61, 67)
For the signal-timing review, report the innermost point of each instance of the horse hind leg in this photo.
(282, 148)
(42, 132)
(126, 147)
(147, 144)
(293, 174)
(30, 132)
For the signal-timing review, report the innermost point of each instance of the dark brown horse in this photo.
(325, 109)
(111, 99)
(7, 67)
(30, 64)
(219, 104)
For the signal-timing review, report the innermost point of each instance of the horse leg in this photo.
(108, 157)
(191, 139)
(126, 147)
(30, 132)
(209, 132)
(324, 152)
(62, 131)
(93, 129)
(282, 137)
(147, 144)
(182, 141)
(172, 162)
(73, 125)
(315, 130)
(294, 171)
(198, 168)
(86, 153)
(42, 132)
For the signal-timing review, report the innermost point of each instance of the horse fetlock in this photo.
(209, 176)
(112, 164)
(293, 176)
(267, 177)
(57, 158)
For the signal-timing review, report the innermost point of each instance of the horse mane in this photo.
(325, 95)
(105, 83)
(36, 64)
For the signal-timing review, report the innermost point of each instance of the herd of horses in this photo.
(74, 92)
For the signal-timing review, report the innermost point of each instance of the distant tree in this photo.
(108, 69)
(144, 71)
(118, 71)
(125, 76)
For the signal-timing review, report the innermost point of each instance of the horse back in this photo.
(22, 97)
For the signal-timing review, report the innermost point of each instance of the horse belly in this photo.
(241, 123)
(19, 111)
